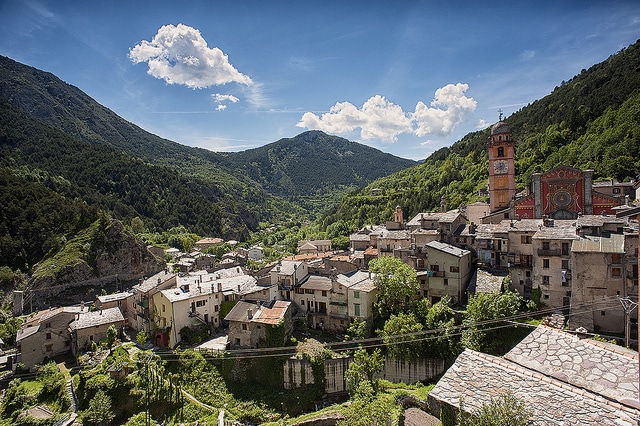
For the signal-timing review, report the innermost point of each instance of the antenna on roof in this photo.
(499, 114)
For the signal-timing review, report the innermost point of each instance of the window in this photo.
(356, 309)
(616, 190)
(616, 258)
(545, 245)
(545, 297)
(446, 281)
(500, 151)
(299, 290)
(565, 264)
(527, 274)
(356, 295)
(163, 307)
(307, 291)
(454, 269)
(47, 325)
(48, 336)
(525, 239)
(565, 249)
(545, 263)
(546, 279)
(324, 293)
(434, 268)
(200, 303)
(244, 326)
(603, 313)
(302, 302)
(48, 348)
(616, 272)
(215, 308)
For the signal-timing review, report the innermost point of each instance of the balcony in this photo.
(435, 274)
(549, 252)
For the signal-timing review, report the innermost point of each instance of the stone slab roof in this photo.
(476, 378)
(97, 318)
(485, 282)
(561, 229)
(598, 220)
(448, 248)
(114, 297)
(152, 282)
(259, 313)
(612, 244)
(446, 217)
(317, 282)
(602, 368)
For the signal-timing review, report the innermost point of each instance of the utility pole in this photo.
(628, 305)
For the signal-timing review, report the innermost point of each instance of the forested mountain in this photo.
(64, 157)
(591, 121)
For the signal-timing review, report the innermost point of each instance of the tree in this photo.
(442, 318)
(504, 410)
(396, 284)
(99, 412)
(398, 336)
(357, 330)
(112, 334)
(487, 307)
(369, 408)
(364, 367)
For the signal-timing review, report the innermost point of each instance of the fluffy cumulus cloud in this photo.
(380, 119)
(220, 99)
(180, 55)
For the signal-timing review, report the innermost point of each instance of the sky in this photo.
(407, 78)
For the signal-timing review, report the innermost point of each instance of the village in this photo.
(569, 243)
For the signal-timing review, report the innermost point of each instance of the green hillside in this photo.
(591, 121)
(64, 157)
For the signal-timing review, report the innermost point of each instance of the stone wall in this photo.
(298, 373)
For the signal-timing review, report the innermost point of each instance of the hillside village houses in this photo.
(561, 242)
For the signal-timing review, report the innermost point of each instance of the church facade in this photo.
(560, 193)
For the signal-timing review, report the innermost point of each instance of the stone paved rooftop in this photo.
(563, 380)
(476, 378)
(602, 368)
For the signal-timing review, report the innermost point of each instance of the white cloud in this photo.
(180, 55)
(221, 107)
(481, 124)
(219, 97)
(380, 119)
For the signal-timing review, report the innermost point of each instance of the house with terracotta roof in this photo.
(249, 323)
(561, 378)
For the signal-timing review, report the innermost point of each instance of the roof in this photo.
(598, 220)
(559, 229)
(522, 225)
(287, 267)
(614, 243)
(209, 240)
(485, 282)
(557, 376)
(259, 313)
(500, 127)
(475, 378)
(114, 297)
(402, 234)
(153, 281)
(448, 248)
(444, 217)
(602, 368)
(317, 282)
(362, 279)
(25, 332)
(96, 318)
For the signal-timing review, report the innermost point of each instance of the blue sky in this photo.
(405, 77)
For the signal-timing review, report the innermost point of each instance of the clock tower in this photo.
(502, 176)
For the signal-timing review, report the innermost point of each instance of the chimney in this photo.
(238, 287)
(249, 314)
(219, 287)
(159, 280)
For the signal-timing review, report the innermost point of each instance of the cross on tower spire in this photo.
(500, 114)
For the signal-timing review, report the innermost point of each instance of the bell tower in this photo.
(502, 181)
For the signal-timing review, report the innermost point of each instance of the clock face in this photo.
(500, 166)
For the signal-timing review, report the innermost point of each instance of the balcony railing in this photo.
(549, 252)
